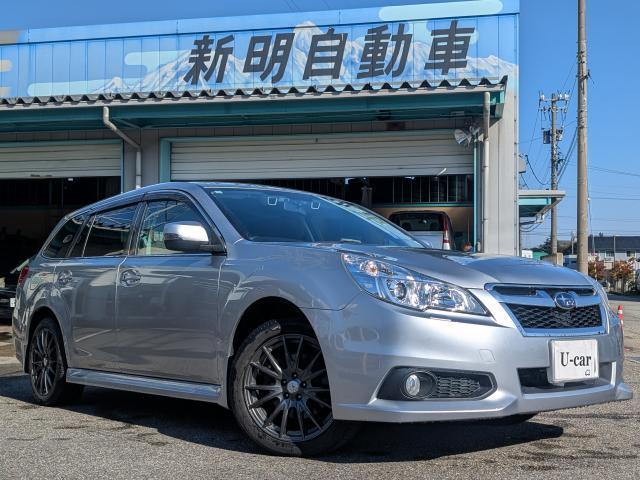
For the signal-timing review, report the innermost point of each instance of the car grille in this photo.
(457, 387)
(530, 290)
(535, 317)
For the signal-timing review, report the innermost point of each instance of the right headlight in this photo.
(398, 285)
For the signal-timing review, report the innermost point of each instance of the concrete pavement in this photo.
(124, 435)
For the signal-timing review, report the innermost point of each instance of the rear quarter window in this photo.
(62, 242)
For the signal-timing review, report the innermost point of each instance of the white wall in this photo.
(503, 183)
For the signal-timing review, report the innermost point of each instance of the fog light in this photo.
(412, 385)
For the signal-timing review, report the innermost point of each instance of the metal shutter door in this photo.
(56, 160)
(320, 156)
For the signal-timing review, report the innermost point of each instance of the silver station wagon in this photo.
(304, 315)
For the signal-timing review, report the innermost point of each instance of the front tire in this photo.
(279, 392)
(48, 367)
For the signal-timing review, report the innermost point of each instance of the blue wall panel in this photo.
(471, 47)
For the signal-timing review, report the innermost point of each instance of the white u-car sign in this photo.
(574, 360)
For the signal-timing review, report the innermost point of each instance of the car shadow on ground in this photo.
(213, 426)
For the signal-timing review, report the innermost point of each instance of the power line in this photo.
(618, 172)
(612, 171)
(609, 193)
(606, 219)
(565, 160)
(618, 187)
(531, 228)
(616, 232)
(571, 68)
(533, 139)
(615, 198)
(536, 158)
(533, 132)
(564, 113)
(533, 172)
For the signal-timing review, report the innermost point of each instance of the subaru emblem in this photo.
(564, 300)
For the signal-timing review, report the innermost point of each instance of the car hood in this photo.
(470, 270)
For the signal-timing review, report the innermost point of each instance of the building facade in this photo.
(395, 108)
(615, 248)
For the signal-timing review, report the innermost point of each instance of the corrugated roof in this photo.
(257, 93)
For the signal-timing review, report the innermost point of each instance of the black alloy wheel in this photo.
(286, 388)
(47, 366)
(280, 392)
(45, 362)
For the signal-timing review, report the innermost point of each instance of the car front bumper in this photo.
(365, 341)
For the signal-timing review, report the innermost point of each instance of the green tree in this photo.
(544, 246)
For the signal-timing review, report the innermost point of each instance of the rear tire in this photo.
(48, 366)
(279, 392)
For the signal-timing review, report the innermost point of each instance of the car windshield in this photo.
(282, 216)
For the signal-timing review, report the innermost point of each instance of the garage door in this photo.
(60, 159)
(320, 156)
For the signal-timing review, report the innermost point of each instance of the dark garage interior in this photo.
(29, 209)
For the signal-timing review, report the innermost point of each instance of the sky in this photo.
(548, 42)
(548, 33)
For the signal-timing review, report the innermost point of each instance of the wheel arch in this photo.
(258, 312)
(36, 317)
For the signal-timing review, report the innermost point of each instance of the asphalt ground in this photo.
(117, 435)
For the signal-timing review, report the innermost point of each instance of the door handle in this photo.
(65, 277)
(129, 278)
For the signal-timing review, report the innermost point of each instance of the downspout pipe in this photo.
(113, 127)
(486, 114)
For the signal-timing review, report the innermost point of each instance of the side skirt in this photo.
(154, 386)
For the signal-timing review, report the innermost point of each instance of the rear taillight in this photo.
(23, 275)
(446, 240)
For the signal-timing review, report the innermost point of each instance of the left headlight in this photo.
(398, 285)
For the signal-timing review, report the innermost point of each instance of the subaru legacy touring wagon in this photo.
(304, 315)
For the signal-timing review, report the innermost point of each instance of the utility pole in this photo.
(573, 238)
(583, 75)
(553, 136)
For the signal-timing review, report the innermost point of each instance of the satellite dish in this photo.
(462, 137)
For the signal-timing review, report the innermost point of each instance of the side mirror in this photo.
(188, 237)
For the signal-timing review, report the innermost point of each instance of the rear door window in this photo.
(61, 243)
(110, 231)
